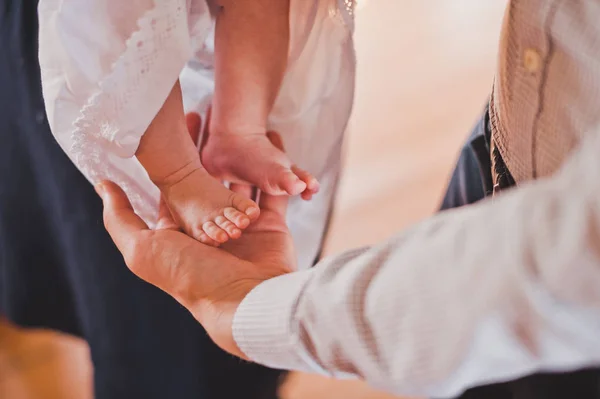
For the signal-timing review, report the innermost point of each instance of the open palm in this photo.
(210, 282)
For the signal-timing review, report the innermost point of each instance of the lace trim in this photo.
(343, 12)
(109, 112)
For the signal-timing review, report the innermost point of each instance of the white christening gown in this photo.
(108, 66)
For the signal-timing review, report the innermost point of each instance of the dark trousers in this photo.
(471, 182)
(59, 268)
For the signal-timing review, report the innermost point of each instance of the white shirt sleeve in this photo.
(487, 293)
(107, 67)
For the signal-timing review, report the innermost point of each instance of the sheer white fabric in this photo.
(108, 66)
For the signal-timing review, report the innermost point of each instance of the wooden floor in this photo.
(425, 70)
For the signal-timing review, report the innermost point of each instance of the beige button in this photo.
(532, 60)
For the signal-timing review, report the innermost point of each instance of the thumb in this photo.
(120, 220)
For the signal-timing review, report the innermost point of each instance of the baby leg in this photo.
(199, 203)
(258, 159)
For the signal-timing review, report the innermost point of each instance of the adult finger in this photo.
(120, 220)
(194, 123)
(276, 140)
(245, 189)
(274, 203)
(206, 131)
(165, 218)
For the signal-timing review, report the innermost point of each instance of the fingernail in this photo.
(99, 189)
(252, 211)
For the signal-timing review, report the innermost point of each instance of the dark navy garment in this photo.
(59, 268)
(471, 182)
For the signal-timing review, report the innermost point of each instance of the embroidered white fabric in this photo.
(108, 66)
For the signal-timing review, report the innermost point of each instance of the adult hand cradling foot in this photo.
(210, 282)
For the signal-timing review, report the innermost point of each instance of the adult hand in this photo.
(210, 282)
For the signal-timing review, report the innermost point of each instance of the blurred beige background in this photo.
(425, 68)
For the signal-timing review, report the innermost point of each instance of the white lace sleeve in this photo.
(107, 68)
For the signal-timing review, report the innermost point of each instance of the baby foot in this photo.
(205, 209)
(257, 159)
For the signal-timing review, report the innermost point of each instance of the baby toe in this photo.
(246, 206)
(312, 184)
(228, 226)
(291, 183)
(215, 232)
(238, 218)
(205, 239)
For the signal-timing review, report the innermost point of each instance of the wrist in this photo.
(216, 315)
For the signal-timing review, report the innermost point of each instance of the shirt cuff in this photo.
(264, 326)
